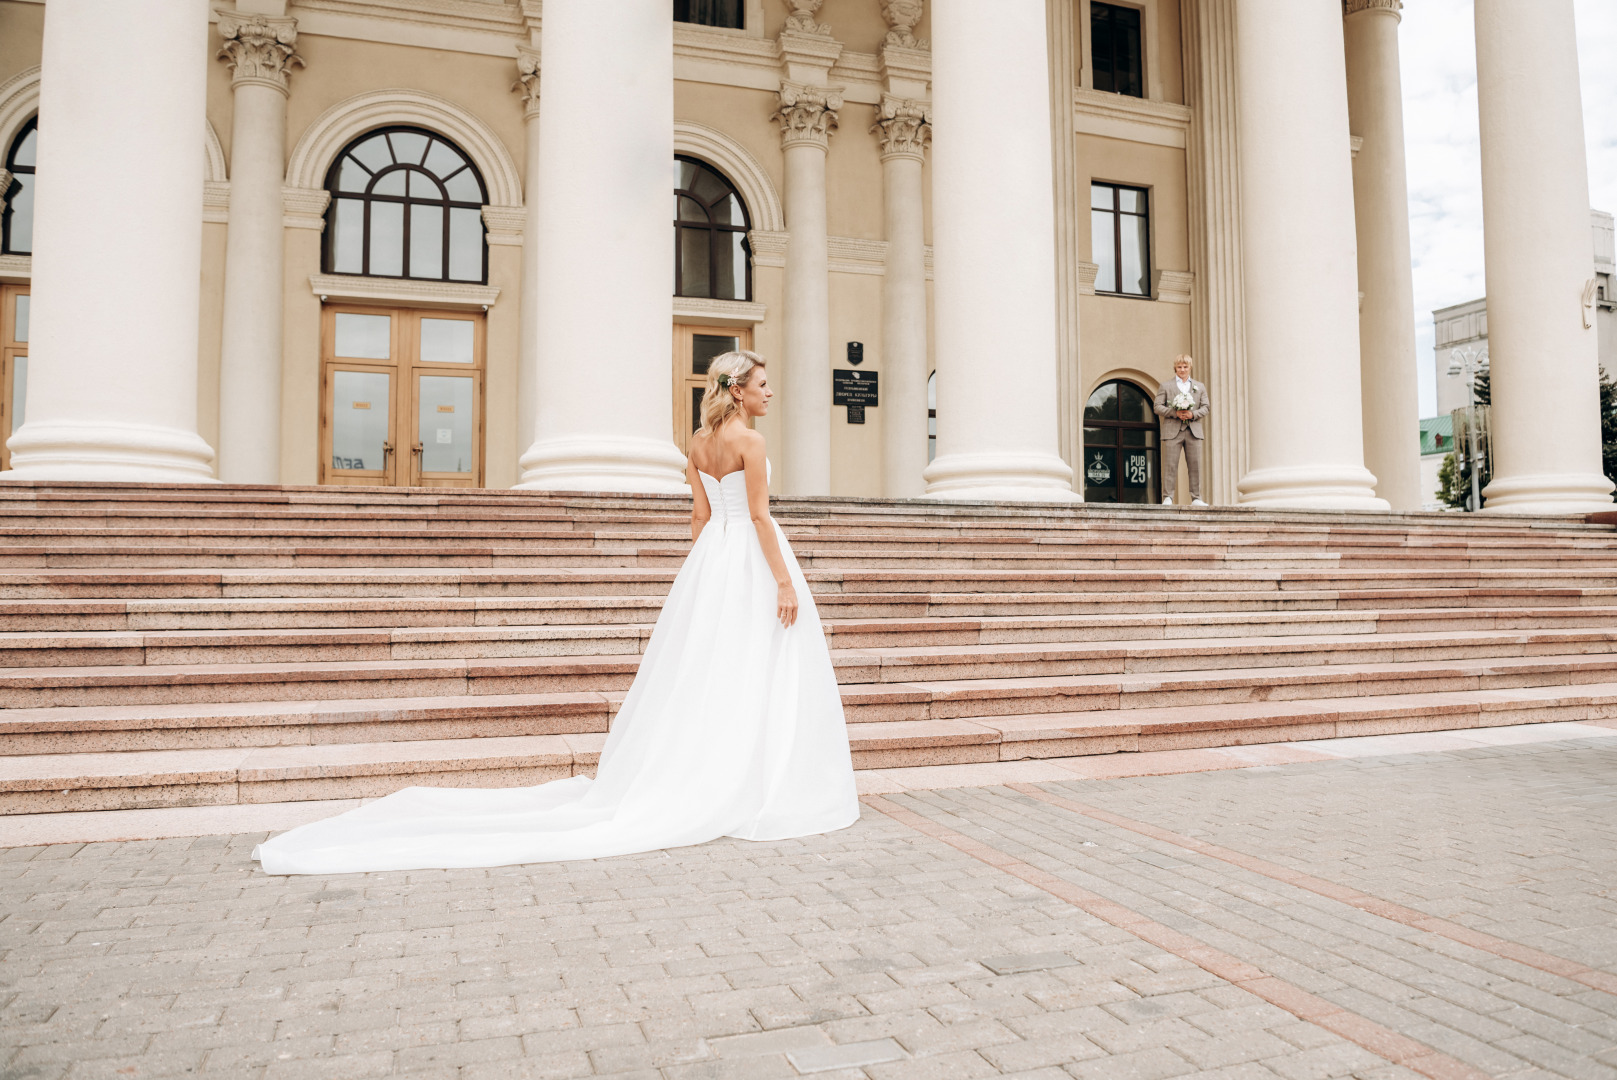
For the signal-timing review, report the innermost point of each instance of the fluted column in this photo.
(1543, 351)
(527, 84)
(808, 116)
(603, 415)
(994, 273)
(117, 261)
(1305, 434)
(1071, 191)
(904, 129)
(260, 53)
(1381, 209)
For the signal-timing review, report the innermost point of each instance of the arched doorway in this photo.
(1121, 457)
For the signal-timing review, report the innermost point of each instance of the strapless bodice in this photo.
(727, 495)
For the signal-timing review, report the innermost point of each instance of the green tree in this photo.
(1608, 425)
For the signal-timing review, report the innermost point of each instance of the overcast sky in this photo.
(1445, 186)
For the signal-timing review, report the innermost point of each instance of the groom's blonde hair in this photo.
(1184, 358)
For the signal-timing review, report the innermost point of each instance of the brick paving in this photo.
(881, 951)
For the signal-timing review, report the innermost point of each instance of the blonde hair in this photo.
(1186, 358)
(727, 370)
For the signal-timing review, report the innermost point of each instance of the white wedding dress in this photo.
(733, 727)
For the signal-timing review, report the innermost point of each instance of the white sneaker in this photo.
(1168, 501)
(1197, 502)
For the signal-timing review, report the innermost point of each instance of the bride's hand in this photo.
(787, 604)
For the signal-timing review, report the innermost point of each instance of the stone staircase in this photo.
(207, 646)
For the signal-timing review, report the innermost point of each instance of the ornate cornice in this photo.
(1389, 7)
(807, 114)
(901, 16)
(527, 83)
(438, 294)
(504, 224)
(304, 208)
(904, 127)
(802, 21)
(258, 48)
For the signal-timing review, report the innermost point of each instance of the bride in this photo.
(733, 726)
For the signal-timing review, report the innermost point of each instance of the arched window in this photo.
(406, 203)
(712, 257)
(931, 417)
(17, 226)
(1120, 445)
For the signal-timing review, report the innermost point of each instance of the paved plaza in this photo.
(1440, 914)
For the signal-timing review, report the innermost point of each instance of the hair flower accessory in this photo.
(725, 380)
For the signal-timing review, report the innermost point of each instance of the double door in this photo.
(694, 349)
(13, 365)
(401, 392)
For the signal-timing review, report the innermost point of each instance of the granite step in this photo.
(217, 776)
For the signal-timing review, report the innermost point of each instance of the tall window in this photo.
(712, 257)
(723, 13)
(1114, 49)
(1120, 445)
(406, 203)
(17, 226)
(1120, 237)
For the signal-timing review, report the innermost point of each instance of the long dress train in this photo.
(733, 727)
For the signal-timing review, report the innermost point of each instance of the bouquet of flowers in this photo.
(1183, 402)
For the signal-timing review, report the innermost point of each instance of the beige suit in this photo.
(1180, 434)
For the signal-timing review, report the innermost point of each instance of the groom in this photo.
(1181, 428)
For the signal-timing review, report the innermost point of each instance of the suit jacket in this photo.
(1170, 422)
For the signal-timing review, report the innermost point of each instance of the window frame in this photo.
(1152, 445)
(328, 254)
(1111, 51)
(711, 229)
(741, 9)
(1118, 214)
(29, 128)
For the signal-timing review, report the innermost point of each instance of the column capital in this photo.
(904, 127)
(802, 20)
(807, 114)
(258, 48)
(1385, 7)
(901, 16)
(527, 83)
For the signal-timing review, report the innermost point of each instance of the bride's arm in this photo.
(701, 512)
(757, 473)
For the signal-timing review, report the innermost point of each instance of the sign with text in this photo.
(855, 389)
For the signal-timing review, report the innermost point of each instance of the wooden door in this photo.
(694, 348)
(13, 365)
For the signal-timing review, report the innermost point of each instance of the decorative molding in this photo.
(901, 16)
(1386, 7)
(322, 140)
(768, 246)
(304, 208)
(1117, 116)
(505, 224)
(903, 72)
(1356, 143)
(904, 127)
(19, 101)
(441, 294)
(527, 83)
(1173, 286)
(474, 26)
(213, 164)
(696, 309)
(16, 267)
(1087, 273)
(743, 170)
(801, 20)
(807, 114)
(260, 49)
(851, 255)
(216, 201)
(6, 177)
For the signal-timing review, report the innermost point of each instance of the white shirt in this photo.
(1183, 384)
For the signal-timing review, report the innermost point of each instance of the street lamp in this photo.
(1471, 361)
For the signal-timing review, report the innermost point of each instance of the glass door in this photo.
(13, 365)
(694, 349)
(401, 397)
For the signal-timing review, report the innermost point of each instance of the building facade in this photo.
(429, 242)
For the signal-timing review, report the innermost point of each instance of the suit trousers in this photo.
(1170, 462)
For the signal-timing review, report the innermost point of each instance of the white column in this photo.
(904, 129)
(117, 259)
(603, 408)
(528, 310)
(994, 255)
(1381, 208)
(1543, 351)
(807, 115)
(1306, 437)
(260, 53)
